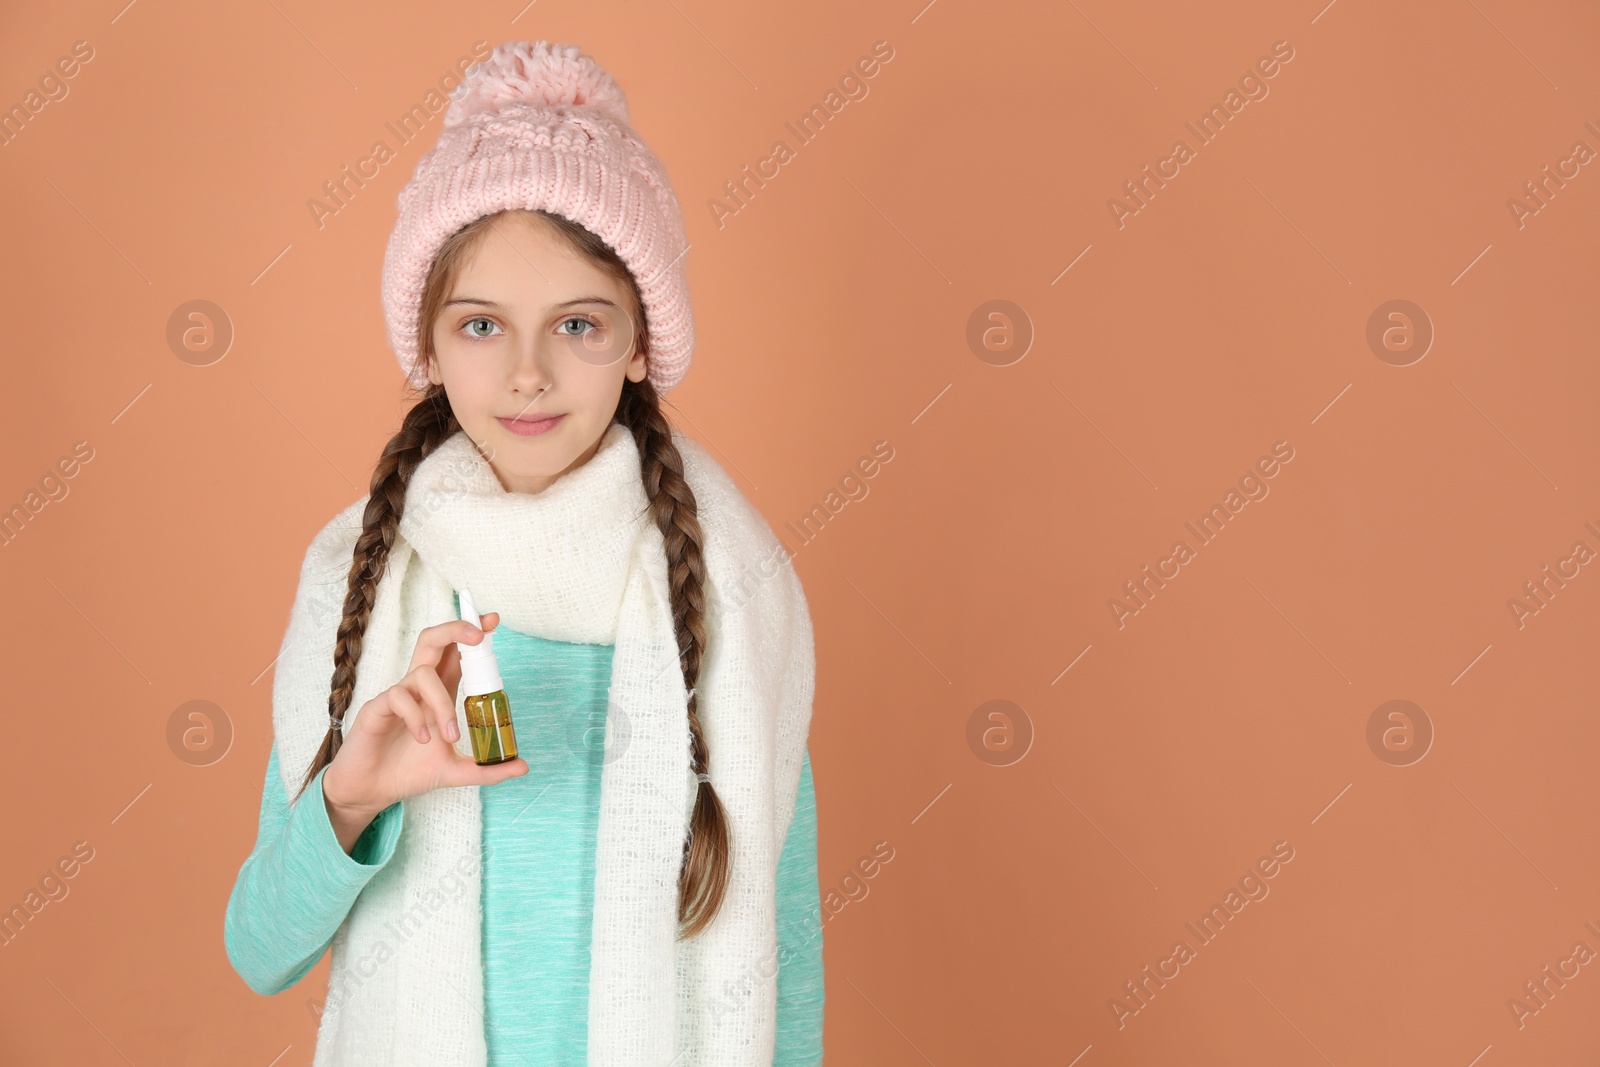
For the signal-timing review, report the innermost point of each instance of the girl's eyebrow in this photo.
(556, 307)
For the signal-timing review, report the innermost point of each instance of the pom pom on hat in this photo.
(538, 74)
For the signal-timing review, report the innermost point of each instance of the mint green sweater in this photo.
(298, 884)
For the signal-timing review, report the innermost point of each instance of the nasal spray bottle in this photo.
(488, 710)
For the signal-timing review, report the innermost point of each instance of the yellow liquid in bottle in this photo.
(494, 740)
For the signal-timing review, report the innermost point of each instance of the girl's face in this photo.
(531, 346)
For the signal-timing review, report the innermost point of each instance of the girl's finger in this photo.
(440, 701)
(405, 706)
(463, 770)
(433, 640)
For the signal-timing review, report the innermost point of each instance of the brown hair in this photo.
(704, 875)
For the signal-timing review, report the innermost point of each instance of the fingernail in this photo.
(454, 730)
(425, 735)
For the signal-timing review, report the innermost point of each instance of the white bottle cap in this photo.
(480, 672)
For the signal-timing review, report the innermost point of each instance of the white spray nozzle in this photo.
(480, 672)
(469, 611)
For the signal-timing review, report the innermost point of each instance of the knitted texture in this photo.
(579, 561)
(542, 126)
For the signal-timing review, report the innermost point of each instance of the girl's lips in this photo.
(531, 427)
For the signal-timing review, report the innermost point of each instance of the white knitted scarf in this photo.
(581, 561)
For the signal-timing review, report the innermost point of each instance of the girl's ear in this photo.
(638, 365)
(433, 369)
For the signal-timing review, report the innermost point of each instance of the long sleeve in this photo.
(298, 884)
(799, 911)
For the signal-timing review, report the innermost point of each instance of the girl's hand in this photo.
(402, 742)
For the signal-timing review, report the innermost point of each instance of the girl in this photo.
(640, 886)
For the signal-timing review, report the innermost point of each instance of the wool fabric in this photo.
(579, 561)
(539, 125)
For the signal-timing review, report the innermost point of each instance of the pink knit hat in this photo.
(541, 125)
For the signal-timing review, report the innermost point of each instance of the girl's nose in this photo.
(530, 371)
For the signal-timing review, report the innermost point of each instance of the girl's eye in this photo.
(471, 332)
(580, 322)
